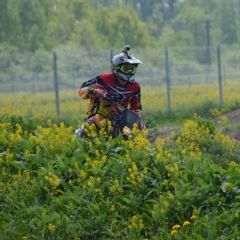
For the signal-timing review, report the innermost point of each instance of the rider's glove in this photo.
(100, 93)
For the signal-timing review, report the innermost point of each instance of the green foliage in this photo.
(60, 26)
(85, 34)
(54, 186)
(45, 25)
(81, 9)
(29, 125)
(228, 21)
(162, 118)
(33, 23)
(179, 115)
(129, 29)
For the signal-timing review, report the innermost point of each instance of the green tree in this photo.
(105, 23)
(156, 21)
(10, 26)
(67, 17)
(85, 36)
(119, 27)
(129, 29)
(81, 9)
(222, 16)
(44, 25)
(34, 25)
(227, 19)
(61, 25)
(192, 19)
(171, 38)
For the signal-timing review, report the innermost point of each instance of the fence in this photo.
(42, 72)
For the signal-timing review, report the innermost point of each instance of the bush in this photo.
(54, 186)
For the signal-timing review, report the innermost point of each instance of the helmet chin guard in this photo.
(124, 77)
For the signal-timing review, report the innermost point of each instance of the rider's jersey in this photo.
(128, 96)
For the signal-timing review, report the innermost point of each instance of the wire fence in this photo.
(67, 70)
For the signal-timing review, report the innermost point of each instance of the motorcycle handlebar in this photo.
(109, 98)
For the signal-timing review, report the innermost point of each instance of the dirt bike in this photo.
(123, 121)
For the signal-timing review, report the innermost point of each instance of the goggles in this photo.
(128, 69)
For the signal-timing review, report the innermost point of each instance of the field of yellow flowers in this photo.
(55, 186)
(185, 101)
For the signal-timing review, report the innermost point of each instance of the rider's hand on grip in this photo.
(100, 93)
(108, 97)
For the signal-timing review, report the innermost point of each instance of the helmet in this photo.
(124, 65)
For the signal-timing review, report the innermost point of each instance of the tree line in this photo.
(46, 25)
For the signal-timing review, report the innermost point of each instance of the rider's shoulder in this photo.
(136, 84)
(108, 75)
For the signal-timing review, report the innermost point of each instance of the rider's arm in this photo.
(86, 93)
(91, 89)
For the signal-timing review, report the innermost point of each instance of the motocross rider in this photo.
(120, 84)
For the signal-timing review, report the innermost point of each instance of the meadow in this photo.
(185, 100)
(54, 186)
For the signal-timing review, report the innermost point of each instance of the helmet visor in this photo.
(128, 69)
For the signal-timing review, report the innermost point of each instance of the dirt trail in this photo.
(234, 121)
(232, 129)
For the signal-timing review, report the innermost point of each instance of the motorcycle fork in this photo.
(114, 127)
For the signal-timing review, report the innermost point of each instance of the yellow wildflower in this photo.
(98, 180)
(173, 232)
(186, 223)
(113, 208)
(177, 226)
(193, 217)
(51, 227)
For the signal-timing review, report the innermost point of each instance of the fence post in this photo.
(56, 85)
(167, 82)
(220, 75)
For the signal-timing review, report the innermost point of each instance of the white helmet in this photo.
(124, 65)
